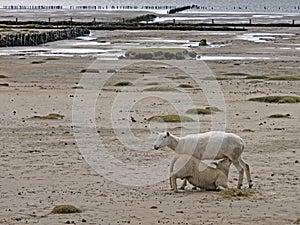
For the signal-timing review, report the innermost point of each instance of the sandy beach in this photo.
(49, 162)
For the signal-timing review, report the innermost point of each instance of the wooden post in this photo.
(174, 21)
(293, 22)
(49, 20)
(250, 21)
(212, 21)
(16, 20)
(94, 21)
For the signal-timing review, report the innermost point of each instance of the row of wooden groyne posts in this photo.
(37, 38)
(134, 7)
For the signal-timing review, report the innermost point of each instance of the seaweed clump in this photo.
(280, 115)
(65, 209)
(51, 116)
(234, 193)
(277, 99)
(170, 119)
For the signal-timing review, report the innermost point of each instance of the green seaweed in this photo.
(257, 77)
(280, 116)
(161, 88)
(206, 111)
(186, 86)
(51, 116)
(89, 71)
(65, 209)
(123, 83)
(276, 99)
(170, 119)
(284, 78)
(234, 193)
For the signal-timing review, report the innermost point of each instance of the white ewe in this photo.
(210, 145)
(199, 174)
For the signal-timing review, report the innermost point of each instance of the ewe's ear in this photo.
(168, 134)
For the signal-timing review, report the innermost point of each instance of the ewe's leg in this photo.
(247, 169)
(173, 182)
(241, 173)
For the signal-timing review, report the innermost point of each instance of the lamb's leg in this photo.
(221, 183)
(247, 169)
(241, 173)
(183, 185)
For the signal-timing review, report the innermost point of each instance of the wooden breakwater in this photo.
(37, 37)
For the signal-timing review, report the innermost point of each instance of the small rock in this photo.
(203, 42)
(153, 207)
(83, 220)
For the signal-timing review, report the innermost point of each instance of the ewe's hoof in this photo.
(182, 188)
(194, 188)
(250, 185)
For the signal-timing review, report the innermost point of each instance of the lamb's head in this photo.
(224, 165)
(163, 139)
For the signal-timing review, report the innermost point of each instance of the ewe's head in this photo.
(162, 140)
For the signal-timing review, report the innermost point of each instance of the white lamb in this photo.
(209, 146)
(199, 174)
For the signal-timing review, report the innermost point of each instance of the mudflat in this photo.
(102, 106)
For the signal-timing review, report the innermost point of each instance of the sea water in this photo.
(270, 6)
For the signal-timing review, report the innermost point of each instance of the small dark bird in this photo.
(133, 120)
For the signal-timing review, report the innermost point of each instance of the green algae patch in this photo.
(216, 78)
(297, 221)
(170, 119)
(186, 86)
(38, 62)
(51, 116)
(257, 77)
(203, 111)
(161, 88)
(277, 99)
(123, 83)
(160, 54)
(199, 111)
(280, 116)
(65, 209)
(89, 70)
(234, 193)
(237, 74)
(285, 78)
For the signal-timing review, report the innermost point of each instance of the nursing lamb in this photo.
(199, 174)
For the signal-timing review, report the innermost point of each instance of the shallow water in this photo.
(112, 50)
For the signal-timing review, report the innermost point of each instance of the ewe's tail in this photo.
(173, 162)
